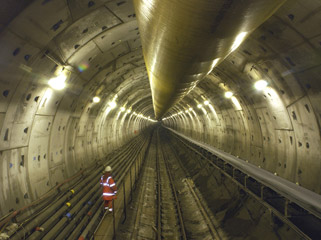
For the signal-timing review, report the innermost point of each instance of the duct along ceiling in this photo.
(184, 40)
(155, 66)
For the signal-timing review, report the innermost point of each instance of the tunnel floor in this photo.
(177, 211)
(175, 199)
(167, 190)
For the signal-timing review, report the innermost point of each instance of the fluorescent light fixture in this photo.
(186, 111)
(191, 109)
(206, 102)
(122, 109)
(58, 82)
(260, 85)
(199, 105)
(128, 111)
(228, 94)
(96, 99)
(112, 104)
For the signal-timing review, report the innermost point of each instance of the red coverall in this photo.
(109, 190)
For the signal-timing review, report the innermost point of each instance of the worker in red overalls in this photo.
(109, 189)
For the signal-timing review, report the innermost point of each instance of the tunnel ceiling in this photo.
(98, 42)
(284, 51)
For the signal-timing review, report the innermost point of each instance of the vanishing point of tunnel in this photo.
(206, 113)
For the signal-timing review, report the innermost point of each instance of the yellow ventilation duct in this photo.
(183, 40)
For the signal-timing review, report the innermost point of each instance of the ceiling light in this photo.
(128, 111)
(58, 82)
(112, 104)
(96, 99)
(186, 111)
(228, 94)
(260, 85)
(122, 109)
(199, 105)
(191, 109)
(206, 102)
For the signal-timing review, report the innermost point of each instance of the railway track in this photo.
(177, 212)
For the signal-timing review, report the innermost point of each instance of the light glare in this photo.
(112, 104)
(122, 109)
(206, 102)
(260, 85)
(238, 40)
(96, 99)
(58, 82)
(228, 94)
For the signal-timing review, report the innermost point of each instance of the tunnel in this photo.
(207, 111)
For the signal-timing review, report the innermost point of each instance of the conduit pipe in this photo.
(183, 40)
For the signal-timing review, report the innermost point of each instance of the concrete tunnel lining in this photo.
(48, 135)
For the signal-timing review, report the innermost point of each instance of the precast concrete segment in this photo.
(236, 215)
(184, 40)
(291, 207)
(59, 219)
(302, 196)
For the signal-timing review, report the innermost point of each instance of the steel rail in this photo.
(159, 226)
(178, 207)
(138, 212)
(208, 221)
(134, 234)
(210, 225)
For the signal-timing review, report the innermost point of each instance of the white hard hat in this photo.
(108, 169)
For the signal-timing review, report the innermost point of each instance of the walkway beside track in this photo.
(75, 212)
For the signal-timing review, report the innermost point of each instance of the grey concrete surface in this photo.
(47, 135)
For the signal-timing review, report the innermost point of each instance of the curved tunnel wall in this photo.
(277, 129)
(48, 135)
(40, 149)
